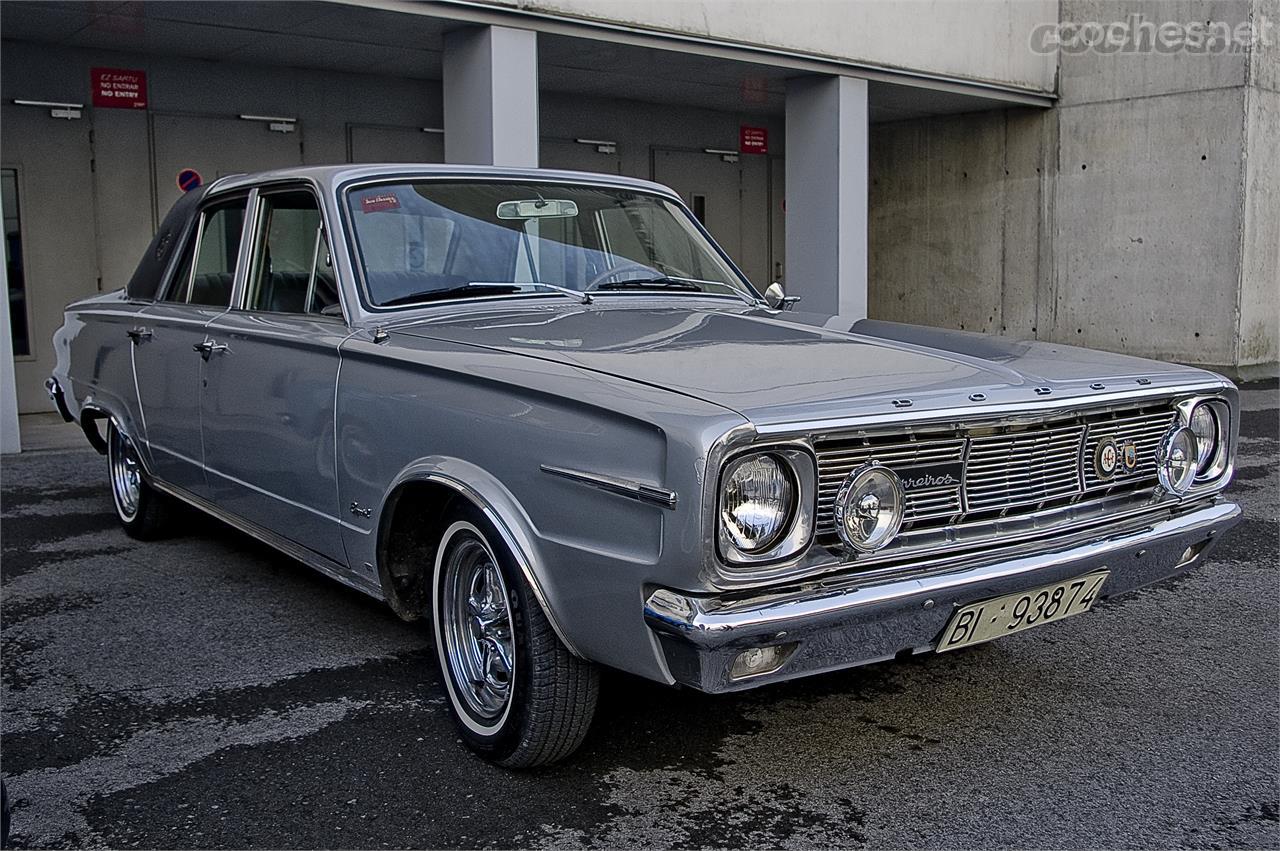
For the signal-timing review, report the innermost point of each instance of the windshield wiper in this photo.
(657, 283)
(486, 288)
(450, 292)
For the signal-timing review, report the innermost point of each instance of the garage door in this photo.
(216, 146)
(719, 196)
(575, 156)
(377, 143)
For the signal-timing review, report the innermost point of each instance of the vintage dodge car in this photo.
(546, 413)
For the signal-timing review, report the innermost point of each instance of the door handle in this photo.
(209, 348)
(138, 334)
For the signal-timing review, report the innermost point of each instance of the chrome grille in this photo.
(1144, 429)
(1023, 468)
(835, 463)
(1008, 470)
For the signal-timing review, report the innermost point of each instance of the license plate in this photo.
(1012, 613)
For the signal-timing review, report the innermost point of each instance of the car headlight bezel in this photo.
(1212, 461)
(796, 530)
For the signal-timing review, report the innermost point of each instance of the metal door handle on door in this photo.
(139, 334)
(209, 347)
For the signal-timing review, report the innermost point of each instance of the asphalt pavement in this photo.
(203, 691)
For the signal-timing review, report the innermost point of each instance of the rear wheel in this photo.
(143, 512)
(519, 697)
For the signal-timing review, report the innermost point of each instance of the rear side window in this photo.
(292, 271)
(147, 278)
(212, 250)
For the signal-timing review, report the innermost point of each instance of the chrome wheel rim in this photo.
(126, 475)
(478, 630)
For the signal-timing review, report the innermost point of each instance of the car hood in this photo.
(778, 367)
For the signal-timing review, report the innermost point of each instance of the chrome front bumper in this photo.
(850, 620)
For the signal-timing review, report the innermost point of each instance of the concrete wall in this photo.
(1139, 216)
(976, 39)
(1260, 261)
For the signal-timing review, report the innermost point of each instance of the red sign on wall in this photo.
(753, 140)
(119, 88)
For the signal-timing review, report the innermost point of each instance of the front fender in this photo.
(499, 506)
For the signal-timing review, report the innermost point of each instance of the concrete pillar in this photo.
(10, 439)
(491, 96)
(826, 230)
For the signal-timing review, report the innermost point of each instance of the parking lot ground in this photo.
(204, 691)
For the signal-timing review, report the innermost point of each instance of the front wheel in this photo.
(518, 696)
(143, 512)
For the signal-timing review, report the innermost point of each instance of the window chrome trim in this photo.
(342, 192)
(638, 491)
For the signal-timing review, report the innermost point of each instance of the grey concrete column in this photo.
(491, 96)
(826, 228)
(10, 438)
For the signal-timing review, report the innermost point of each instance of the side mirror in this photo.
(778, 299)
(774, 295)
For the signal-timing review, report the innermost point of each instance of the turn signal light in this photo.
(760, 660)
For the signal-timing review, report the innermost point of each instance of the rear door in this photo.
(170, 344)
(267, 406)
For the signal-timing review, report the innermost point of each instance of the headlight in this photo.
(1209, 425)
(1204, 425)
(1176, 460)
(868, 509)
(757, 501)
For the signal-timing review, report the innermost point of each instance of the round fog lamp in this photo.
(1204, 425)
(869, 506)
(1176, 460)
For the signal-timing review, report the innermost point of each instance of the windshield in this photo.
(428, 240)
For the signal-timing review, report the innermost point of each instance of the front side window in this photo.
(213, 249)
(292, 269)
(427, 240)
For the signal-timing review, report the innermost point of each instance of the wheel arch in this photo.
(434, 485)
(94, 411)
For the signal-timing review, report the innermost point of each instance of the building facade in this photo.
(986, 165)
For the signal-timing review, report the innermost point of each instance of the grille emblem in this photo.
(1112, 457)
(925, 476)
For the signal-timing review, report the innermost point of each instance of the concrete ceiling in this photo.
(337, 36)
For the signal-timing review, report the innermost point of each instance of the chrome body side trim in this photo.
(857, 620)
(314, 560)
(638, 491)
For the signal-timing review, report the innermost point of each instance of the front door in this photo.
(171, 345)
(267, 406)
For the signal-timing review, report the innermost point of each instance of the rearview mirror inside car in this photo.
(538, 208)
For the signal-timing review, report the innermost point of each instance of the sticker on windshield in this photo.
(382, 201)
